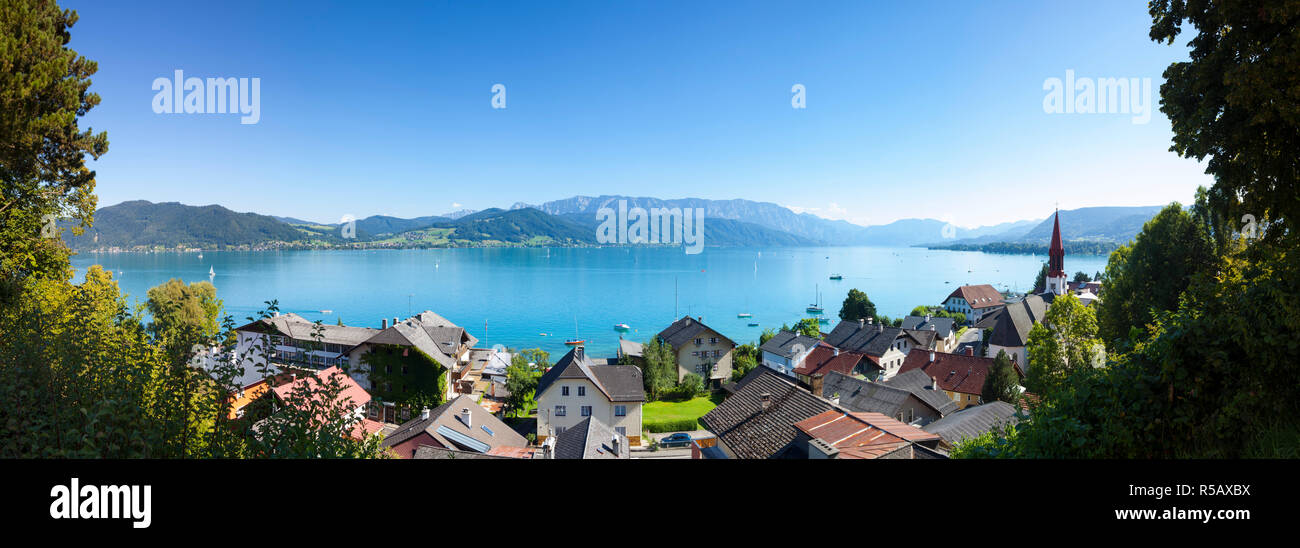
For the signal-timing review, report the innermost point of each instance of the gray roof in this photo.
(431, 452)
(870, 339)
(922, 338)
(863, 396)
(752, 432)
(1013, 325)
(918, 383)
(590, 439)
(943, 326)
(299, 328)
(972, 421)
(684, 330)
(783, 343)
(616, 382)
(446, 417)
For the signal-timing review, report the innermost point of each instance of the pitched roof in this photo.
(825, 359)
(870, 339)
(431, 452)
(862, 435)
(955, 372)
(616, 382)
(785, 342)
(922, 338)
(978, 296)
(351, 396)
(444, 424)
(973, 421)
(918, 384)
(629, 348)
(942, 326)
(413, 333)
(297, 327)
(590, 439)
(751, 431)
(686, 329)
(863, 395)
(1014, 324)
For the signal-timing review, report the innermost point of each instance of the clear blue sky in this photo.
(914, 109)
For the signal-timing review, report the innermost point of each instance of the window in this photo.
(620, 410)
(713, 340)
(586, 410)
(715, 368)
(582, 391)
(488, 430)
(699, 342)
(403, 369)
(564, 391)
(388, 368)
(559, 411)
(622, 430)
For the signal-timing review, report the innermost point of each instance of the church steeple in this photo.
(1056, 260)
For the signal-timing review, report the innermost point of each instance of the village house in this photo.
(700, 350)
(589, 439)
(757, 421)
(786, 351)
(972, 422)
(974, 301)
(884, 346)
(1011, 332)
(460, 424)
(578, 387)
(943, 331)
(836, 434)
(826, 359)
(421, 353)
(960, 376)
(904, 401)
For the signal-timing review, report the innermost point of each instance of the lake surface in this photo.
(510, 296)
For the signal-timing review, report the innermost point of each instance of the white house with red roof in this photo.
(974, 301)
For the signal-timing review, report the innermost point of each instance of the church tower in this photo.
(1056, 281)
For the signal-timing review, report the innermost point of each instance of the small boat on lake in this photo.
(754, 324)
(836, 277)
(744, 315)
(622, 327)
(574, 342)
(816, 308)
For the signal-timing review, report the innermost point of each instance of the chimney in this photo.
(870, 320)
(927, 318)
(613, 443)
(931, 356)
(934, 383)
(861, 323)
(464, 416)
(424, 413)
(766, 399)
(546, 447)
(699, 319)
(815, 384)
(383, 324)
(394, 321)
(835, 350)
(821, 449)
(970, 350)
(579, 353)
(881, 327)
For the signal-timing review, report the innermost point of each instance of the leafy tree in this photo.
(857, 307)
(809, 327)
(692, 385)
(1040, 281)
(44, 90)
(660, 374)
(183, 315)
(1065, 340)
(1081, 276)
(521, 383)
(1002, 382)
(1230, 102)
(1148, 276)
(743, 360)
(767, 335)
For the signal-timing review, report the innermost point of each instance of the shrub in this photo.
(671, 425)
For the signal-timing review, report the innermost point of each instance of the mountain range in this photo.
(570, 221)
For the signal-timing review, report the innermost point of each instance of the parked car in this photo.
(680, 439)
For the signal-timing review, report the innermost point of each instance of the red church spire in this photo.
(1056, 255)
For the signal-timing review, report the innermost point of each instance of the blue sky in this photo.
(914, 109)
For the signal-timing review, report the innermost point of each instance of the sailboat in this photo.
(816, 307)
(575, 341)
(211, 272)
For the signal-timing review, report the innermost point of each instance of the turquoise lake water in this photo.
(520, 293)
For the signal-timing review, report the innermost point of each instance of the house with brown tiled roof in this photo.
(825, 359)
(699, 349)
(974, 301)
(884, 346)
(960, 376)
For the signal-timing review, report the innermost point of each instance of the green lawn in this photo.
(670, 416)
